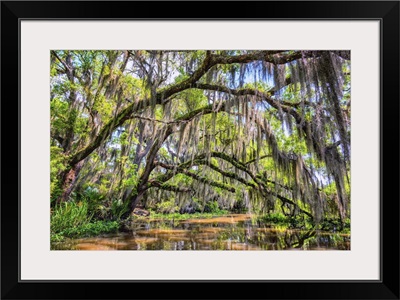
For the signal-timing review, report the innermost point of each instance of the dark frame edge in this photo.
(8, 17)
(390, 50)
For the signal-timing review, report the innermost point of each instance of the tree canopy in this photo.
(261, 130)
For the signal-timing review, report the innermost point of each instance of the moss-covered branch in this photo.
(288, 201)
(210, 60)
(197, 177)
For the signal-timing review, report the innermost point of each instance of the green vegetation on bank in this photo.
(85, 230)
(302, 222)
(73, 220)
(186, 216)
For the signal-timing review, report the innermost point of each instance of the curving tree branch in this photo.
(210, 60)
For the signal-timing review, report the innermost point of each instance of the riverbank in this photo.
(223, 232)
(93, 228)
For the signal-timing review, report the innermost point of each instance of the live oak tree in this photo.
(266, 129)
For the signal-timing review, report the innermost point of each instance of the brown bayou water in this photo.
(232, 232)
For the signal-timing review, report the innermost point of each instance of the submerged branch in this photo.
(286, 200)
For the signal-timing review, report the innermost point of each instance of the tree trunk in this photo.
(133, 202)
(68, 181)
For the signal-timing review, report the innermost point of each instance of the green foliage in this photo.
(85, 230)
(179, 216)
(330, 189)
(102, 209)
(275, 218)
(167, 207)
(104, 184)
(296, 221)
(91, 229)
(95, 202)
(124, 139)
(194, 99)
(180, 179)
(261, 86)
(239, 206)
(133, 87)
(57, 165)
(56, 237)
(104, 107)
(212, 207)
(74, 219)
(59, 113)
(131, 174)
(335, 225)
(69, 215)
(119, 208)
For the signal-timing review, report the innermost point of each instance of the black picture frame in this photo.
(385, 11)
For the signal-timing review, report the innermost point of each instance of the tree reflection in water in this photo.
(224, 233)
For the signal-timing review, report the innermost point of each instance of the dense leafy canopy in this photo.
(186, 130)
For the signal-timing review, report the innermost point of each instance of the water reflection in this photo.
(233, 232)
